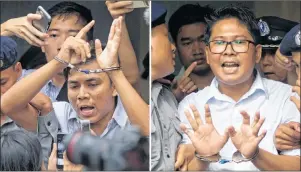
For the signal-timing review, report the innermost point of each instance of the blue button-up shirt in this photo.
(270, 98)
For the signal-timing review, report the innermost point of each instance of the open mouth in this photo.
(230, 67)
(268, 73)
(86, 110)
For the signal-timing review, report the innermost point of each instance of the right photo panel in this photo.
(225, 86)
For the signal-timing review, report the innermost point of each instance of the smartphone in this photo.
(85, 125)
(140, 4)
(42, 24)
(60, 151)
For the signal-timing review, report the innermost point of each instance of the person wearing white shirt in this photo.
(242, 109)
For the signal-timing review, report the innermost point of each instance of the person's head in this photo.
(187, 28)
(290, 46)
(162, 50)
(93, 95)
(272, 31)
(232, 63)
(68, 18)
(21, 151)
(10, 69)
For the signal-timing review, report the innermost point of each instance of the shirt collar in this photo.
(119, 114)
(156, 89)
(257, 85)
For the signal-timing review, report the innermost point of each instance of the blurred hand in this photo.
(287, 136)
(247, 140)
(22, 27)
(206, 140)
(43, 103)
(184, 155)
(283, 61)
(185, 85)
(109, 56)
(297, 90)
(119, 8)
(69, 166)
(75, 50)
(52, 159)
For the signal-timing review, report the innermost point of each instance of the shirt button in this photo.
(48, 123)
(168, 156)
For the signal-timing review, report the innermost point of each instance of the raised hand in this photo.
(22, 27)
(109, 56)
(297, 90)
(283, 61)
(206, 140)
(185, 85)
(75, 49)
(247, 140)
(119, 8)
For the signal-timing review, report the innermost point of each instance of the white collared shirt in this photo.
(270, 98)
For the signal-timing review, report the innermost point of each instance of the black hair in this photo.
(187, 14)
(20, 151)
(243, 14)
(145, 63)
(66, 8)
(271, 51)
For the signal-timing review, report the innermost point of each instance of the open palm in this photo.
(109, 56)
(247, 140)
(206, 140)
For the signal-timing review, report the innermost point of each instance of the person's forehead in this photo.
(229, 27)
(70, 22)
(7, 73)
(192, 29)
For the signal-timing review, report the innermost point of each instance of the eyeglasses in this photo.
(239, 46)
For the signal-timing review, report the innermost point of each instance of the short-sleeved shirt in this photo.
(49, 88)
(270, 98)
(65, 117)
(165, 128)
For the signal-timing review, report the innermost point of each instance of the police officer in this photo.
(272, 30)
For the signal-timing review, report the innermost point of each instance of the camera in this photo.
(127, 150)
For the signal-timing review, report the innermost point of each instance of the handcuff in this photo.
(86, 71)
(237, 157)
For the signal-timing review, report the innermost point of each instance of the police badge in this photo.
(263, 27)
(297, 38)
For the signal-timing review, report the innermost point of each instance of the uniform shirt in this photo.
(270, 98)
(165, 128)
(9, 125)
(65, 117)
(49, 88)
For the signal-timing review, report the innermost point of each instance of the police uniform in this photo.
(291, 42)
(165, 121)
(272, 30)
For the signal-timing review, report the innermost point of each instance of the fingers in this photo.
(98, 47)
(54, 150)
(92, 132)
(287, 147)
(285, 142)
(196, 115)
(296, 101)
(294, 125)
(185, 165)
(119, 8)
(246, 117)
(296, 89)
(186, 131)
(261, 136)
(180, 158)
(208, 118)
(85, 30)
(285, 132)
(231, 131)
(192, 89)
(189, 69)
(192, 122)
(186, 84)
(23, 35)
(31, 17)
(258, 125)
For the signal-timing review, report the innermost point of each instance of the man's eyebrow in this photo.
(72, 82)
(185, 39)
(93, 79)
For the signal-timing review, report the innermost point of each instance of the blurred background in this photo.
(138, 30)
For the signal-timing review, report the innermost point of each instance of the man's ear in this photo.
(114, 93)
(207, 52)
(43, 49)
(258, 53)
(18, 68)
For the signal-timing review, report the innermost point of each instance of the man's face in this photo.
(270, 69)
(91, 95)
(10, 76)
(60, 29)
(230, 67)
(191, 46)
(163, 58)
(296, 59)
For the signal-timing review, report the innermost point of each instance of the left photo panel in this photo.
(74, 85)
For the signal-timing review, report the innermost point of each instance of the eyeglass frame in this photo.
(230, 42)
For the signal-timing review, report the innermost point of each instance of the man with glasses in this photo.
(236, 117)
